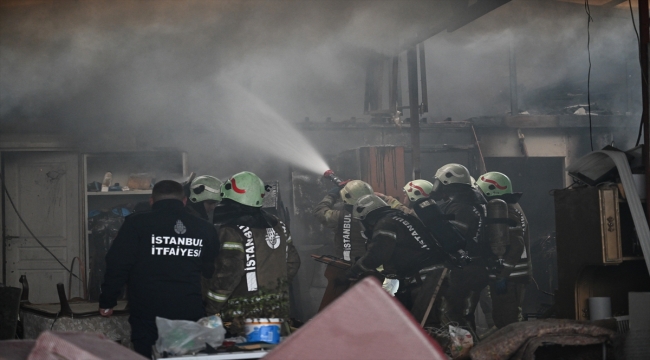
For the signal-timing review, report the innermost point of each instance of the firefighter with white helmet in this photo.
(257, 258)
(513, 267)
(418, 189)
(353, 190)
(348, 240)
(465, 207)
(421, 205)
(397, 241)
(205, 195)
(414, 191)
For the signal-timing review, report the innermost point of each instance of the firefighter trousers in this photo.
(506, 307)
(462, 294)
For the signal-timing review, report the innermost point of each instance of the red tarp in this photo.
(365, 323)
(86, 346)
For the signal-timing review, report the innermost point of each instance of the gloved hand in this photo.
(495, 266)
(353, 273)
(343, 183)
(341, 281)
(464, 257)
(356, 271)
(334, 192)
(501, 286)
(460, 259)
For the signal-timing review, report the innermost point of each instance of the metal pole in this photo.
(366, 97)
(643, 54)
(4, 218)
(514, 102)
(414, 106)
(392, 93)
(423, 79)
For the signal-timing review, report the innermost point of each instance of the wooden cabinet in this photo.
(597, 255)
(380, 166)
(104, 211)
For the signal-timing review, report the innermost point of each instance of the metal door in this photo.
(44, 187)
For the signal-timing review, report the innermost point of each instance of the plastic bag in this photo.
(460, 341)
(180, 337)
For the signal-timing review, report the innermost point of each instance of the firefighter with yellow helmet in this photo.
(335, 212)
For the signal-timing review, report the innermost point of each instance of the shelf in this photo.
(110, 193)
(164, 164)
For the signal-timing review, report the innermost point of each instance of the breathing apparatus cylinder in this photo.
(497, 226)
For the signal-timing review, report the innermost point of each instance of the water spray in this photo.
(256, 125)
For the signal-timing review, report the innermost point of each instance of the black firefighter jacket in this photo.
(400, 243)
(161, 254)
(469, 212)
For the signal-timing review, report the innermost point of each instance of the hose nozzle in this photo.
(329, 174)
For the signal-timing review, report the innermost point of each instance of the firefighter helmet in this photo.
(418, 189)
(204, 188)
(367, 204)
(245, 188)
(494, 184)
(354, 190)
(453, 174)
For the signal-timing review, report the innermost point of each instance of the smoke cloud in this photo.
(157, 68)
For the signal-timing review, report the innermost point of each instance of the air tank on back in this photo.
(497, 226)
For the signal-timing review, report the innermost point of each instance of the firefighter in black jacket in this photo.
(257, 259)
(514, 270)
(160, 255)
(397, 241)
(467, 207)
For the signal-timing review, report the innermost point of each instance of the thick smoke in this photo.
(107, 70)
(152, 73)
(468, 70)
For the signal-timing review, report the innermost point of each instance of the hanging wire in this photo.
(638, 39)
(589, 20)
(644, 77)
(32, 233)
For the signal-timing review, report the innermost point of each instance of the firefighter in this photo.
(397, 241)
(205, 195)
(257, 259)
(160, 255)
(465, 207)
(513, 269)
(414, 191)
(349, 242)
